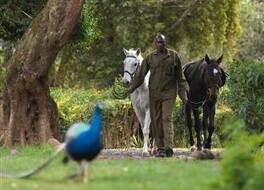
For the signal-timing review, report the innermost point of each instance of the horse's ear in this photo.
(138, 51)
(207, 59)
(125, 51)
(219, 60)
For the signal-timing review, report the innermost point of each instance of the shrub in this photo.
(242, 165)
(77, 104)
(120, 124)
(246, 95)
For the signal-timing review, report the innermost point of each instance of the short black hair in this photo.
(160, 36)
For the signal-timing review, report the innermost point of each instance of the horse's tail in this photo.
(30, 173)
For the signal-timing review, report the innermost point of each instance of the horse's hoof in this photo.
(73, 176)
(207, 146)
(153, 152)
(192, 143)
(192, 149)
(199, 148)
(145, 154)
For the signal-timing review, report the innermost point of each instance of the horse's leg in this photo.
(140, 116)
(210, 126)
(144, 120)
(205, 123)
(197, 126)
(145, 130)
(154, 146)
(188, 120)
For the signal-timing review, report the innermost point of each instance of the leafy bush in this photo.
(120, 124)
(77, 104)
(246, 95)
(242, 166)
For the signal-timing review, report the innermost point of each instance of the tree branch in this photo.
(185, 13)
(30, 17)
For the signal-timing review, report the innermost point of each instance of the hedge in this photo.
(120, 126)
(246, 92)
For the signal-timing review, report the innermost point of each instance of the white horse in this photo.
(140, 97)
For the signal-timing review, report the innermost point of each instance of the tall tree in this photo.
(30, 113)
(72, 61)
(251, 42)
(193, 28)
(16, 16)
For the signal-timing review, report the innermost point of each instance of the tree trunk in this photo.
(30, 114)
(60, 74)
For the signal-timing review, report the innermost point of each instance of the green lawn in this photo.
(127, 174)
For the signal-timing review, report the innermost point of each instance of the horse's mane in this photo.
(194, 71)
(223, 76)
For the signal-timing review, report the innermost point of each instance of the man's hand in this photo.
(183, 96)
(129, 90)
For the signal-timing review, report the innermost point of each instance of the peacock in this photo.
(82, 145)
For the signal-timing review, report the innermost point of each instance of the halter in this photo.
(119, 93)
(132, 74)
(198, 103)
(202, 102)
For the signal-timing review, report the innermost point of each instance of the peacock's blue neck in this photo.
(88, 143)
(96, 123)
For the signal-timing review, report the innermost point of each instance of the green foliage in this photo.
(77, 104)
(16, 16)
(2, 71)
(203, 25)
(242, 164)
(246, 96)
(89, 26)
(209, 26)
(193, 28)
(251, 42)
(119, 89)
(233, 28)
(119, 118)
(73, 62)
(136, 142)
(87, 32)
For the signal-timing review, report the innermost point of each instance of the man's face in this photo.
(160, 44)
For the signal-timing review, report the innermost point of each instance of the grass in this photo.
(107, 174)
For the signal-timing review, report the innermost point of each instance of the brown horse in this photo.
(204, 77)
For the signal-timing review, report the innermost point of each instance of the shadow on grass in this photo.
(97, 179)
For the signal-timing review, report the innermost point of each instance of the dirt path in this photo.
(181, 153)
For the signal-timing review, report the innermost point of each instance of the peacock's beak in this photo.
(102, 105)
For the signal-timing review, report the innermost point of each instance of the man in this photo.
(166, 79)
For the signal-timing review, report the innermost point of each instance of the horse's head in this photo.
(131, 62)
(213, 76)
